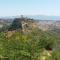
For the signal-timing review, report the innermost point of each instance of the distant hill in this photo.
(48, 24)
(4, 22)
(43, 17)
(29, 23)
(23, 23)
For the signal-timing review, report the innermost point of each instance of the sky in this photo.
(29, 7)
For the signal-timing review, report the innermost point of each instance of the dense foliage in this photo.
(28, 46)
(16, 24)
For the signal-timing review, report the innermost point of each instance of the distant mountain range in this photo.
(43, 17)
(38, 17)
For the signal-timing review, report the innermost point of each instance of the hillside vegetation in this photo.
(23, 40)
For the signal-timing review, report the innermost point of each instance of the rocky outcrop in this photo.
(24, 24)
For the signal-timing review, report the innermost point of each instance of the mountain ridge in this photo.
(38, 17)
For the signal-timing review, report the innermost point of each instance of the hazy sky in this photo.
(29, 7)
